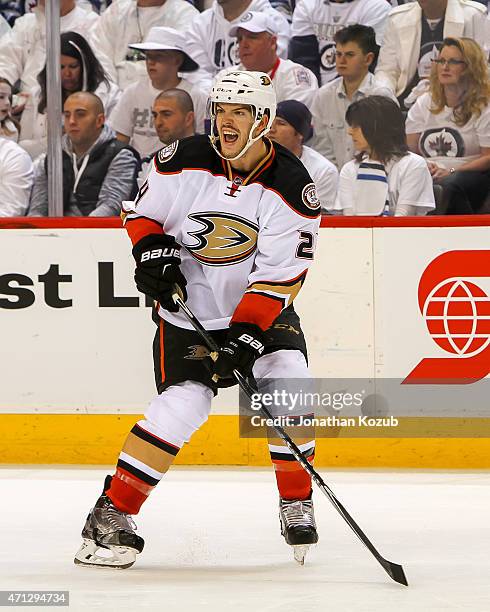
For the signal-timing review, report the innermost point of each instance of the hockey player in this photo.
(231, 219)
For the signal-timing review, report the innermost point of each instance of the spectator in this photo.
(315, 23)
(212, 46)
(450, 125)
(80, 71)
(9, 128)
(291, 128)
(23, 50)
(130, 21)
(384, 178)
(16, 177)
(173, 118)
(414, 35)
(165, 59)
(257, 49)
(356, 50)
(98, 170)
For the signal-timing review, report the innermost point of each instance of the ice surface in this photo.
(213, 543)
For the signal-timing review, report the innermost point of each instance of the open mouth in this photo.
(229, 136)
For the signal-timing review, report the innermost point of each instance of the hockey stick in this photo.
(394, 570)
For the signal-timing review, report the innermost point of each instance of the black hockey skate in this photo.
(112, 532)
(298, 525)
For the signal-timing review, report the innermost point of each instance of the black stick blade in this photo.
(395, 571)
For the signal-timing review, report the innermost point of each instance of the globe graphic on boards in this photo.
(457, 313)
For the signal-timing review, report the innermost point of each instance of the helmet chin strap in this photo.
(250, 141)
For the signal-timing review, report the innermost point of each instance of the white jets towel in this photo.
(371, 189)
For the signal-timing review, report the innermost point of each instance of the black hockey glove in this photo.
(244, 344)
(158, 269)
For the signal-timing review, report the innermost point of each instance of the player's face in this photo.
(162, 66)
(5, 95)
(71, 74)
(351, 61)
(170, 122)
(453, 67)
(256, 50)
(233, 122)
(360, 143)
(284, 133)
(82, 123)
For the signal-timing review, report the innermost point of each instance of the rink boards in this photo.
(384, 300)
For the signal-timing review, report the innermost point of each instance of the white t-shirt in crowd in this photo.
(441, 140)
(16, 178)
(410, 189)
(132, 115)
(324, 174)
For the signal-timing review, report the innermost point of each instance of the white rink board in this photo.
(85, 358)
(359, 311)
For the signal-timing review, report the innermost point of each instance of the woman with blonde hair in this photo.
(450, 125)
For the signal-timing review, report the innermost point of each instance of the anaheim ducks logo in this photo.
(197, 351)
(223, 239)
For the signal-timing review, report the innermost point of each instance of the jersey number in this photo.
(305, 246)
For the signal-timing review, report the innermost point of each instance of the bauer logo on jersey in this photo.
(309, 197)
(223, 239)
(165, 154)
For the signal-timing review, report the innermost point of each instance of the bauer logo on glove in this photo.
(244, 344)
(158, 269)
(157, 253)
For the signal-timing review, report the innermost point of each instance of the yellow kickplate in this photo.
(97, 439)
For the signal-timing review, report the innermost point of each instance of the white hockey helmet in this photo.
(254, 89)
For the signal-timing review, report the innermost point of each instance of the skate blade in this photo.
(300, 551)
(122, 556)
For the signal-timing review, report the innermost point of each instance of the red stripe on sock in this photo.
(292, 482)
(127, 492)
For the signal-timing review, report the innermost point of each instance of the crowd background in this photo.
(385, 103)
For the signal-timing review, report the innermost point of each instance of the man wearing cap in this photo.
(130, 21)
(214, 48)
(165, 59)
(291, 128)
(256, 34)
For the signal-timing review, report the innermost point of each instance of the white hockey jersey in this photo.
(211, 46)
(323, 19)
(248, 240)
